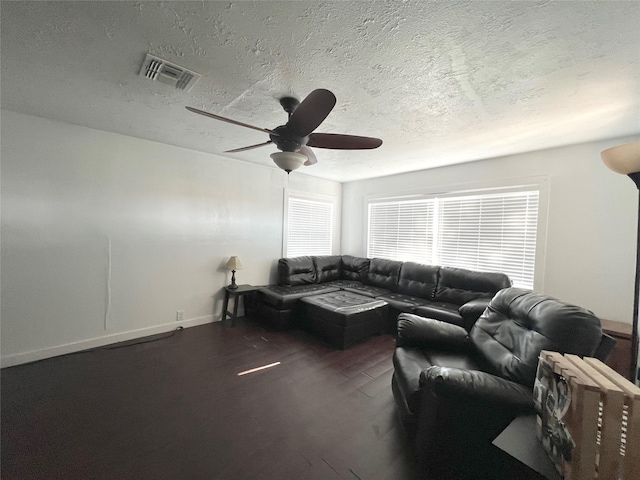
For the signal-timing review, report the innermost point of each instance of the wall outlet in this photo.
(180, 316)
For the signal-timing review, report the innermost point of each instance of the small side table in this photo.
(620, 358)
(237, 294)
(519, 440)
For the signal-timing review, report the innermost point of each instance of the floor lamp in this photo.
(625, 159)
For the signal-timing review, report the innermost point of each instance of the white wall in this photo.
(589, 255)
(105, 237)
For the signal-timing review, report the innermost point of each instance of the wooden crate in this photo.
(630, 428)
(609, 459)
(574, 433)
(601, 419)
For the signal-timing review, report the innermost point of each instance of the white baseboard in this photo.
(34, 355)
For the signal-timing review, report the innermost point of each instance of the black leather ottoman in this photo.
(344, 318)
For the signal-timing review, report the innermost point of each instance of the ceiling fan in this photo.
(295, 138)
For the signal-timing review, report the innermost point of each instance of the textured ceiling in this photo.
(439, 82)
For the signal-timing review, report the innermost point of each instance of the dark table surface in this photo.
(520, 441)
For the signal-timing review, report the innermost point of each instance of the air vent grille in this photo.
(155, 68)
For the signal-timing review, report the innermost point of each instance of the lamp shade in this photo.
(624, 159)
(233, 264)
(288, 161)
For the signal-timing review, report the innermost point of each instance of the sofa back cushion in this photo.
(296, 271)
(384, 273)
(354, 268)
(327, 268)
(459, 285)
(418, 280)
(518, 324)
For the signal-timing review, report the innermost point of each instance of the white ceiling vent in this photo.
(156, 68)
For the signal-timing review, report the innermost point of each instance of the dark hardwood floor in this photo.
(176, 409)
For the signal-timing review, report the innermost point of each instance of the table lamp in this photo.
(625, 159)
(233, 264)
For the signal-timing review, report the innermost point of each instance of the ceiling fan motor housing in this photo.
(286, 140)
(289, 104)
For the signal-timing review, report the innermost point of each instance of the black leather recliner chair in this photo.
(455, 391)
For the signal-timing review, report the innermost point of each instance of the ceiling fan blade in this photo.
(228, 120)
(311, 112)
(250, 147)
(311, 157)
(342, 142)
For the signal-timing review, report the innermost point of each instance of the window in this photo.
(308, 225)
(398, 230)
(493, 232)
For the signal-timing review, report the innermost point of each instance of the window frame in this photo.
(541, 183)
(312, 197)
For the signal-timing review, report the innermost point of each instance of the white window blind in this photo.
(491, 232)
(309, 227)
(401, 230)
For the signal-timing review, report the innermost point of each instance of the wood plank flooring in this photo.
(176, 409)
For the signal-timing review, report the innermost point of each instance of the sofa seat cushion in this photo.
(282, 298)
(403, 303)
(448, 359)
(367, 290)
(446, 312)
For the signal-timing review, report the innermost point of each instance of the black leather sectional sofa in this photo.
(454, 295)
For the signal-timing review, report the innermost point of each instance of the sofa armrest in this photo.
(477, 386)
(461, 412)
(471, 311)
(420, 332)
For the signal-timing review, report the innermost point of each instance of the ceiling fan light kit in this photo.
(296, 136)
(288, 161)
